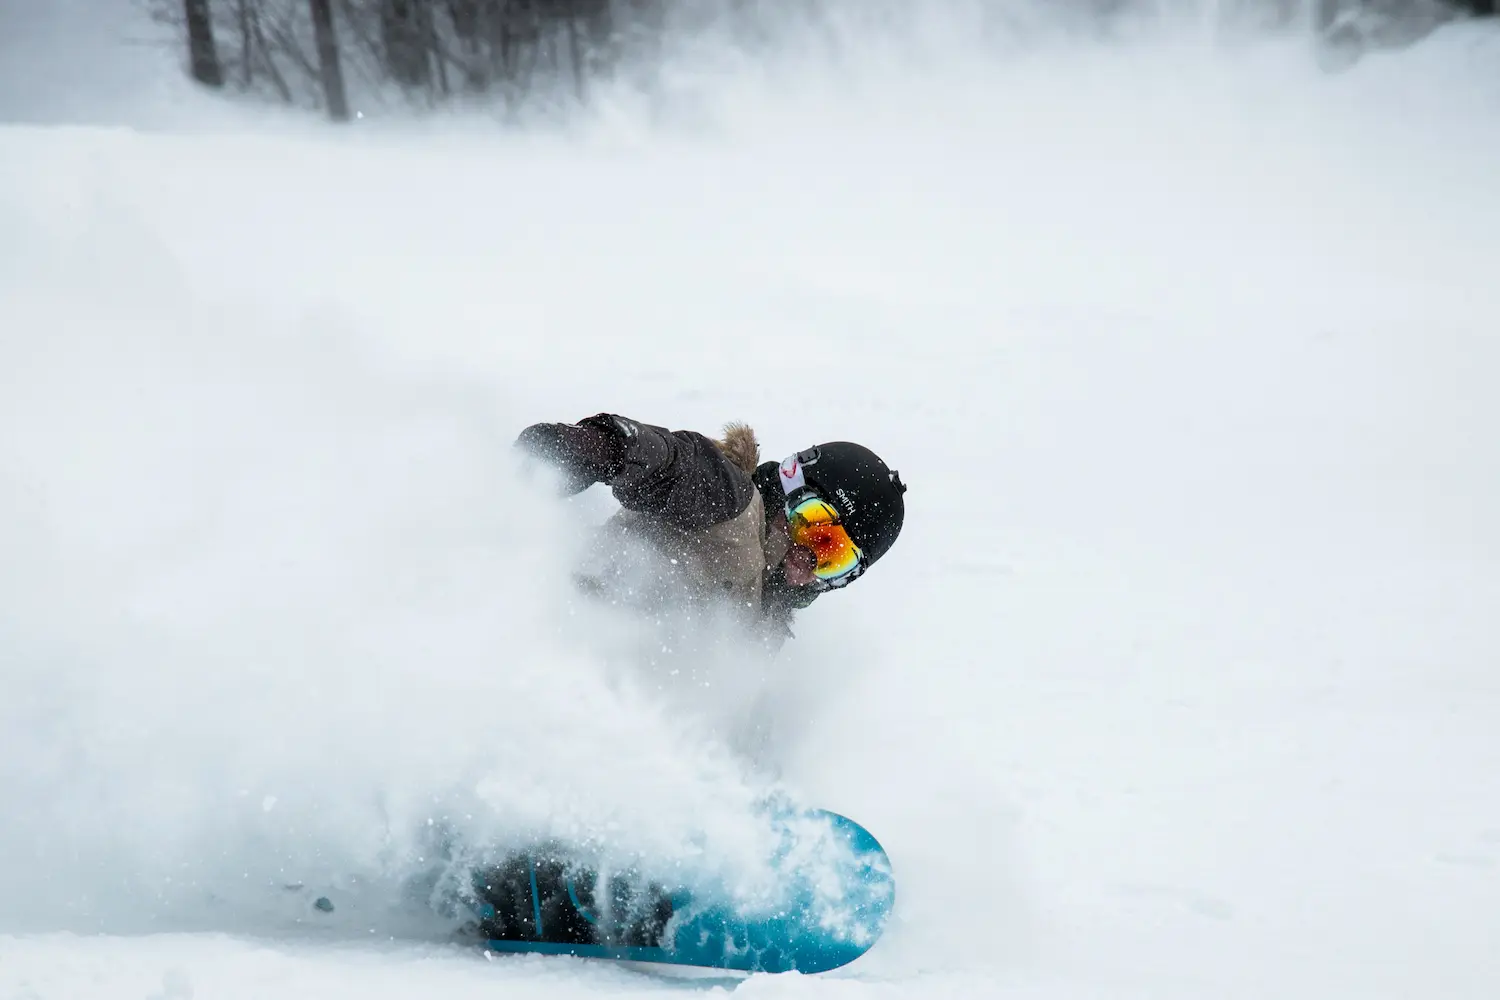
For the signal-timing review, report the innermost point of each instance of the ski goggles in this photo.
(814, 524)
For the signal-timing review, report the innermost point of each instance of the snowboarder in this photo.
(770, 538)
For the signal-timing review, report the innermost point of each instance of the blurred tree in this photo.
(207, 69)
(245, 16)
(405, 31)
(330, 70)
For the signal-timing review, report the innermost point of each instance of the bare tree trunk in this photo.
(328, 60)
(434, 44)
(466, 18)
(247, 45)
(1324, 14)
(268, 59)
(406, 55)
(207, 69)
(575, 57)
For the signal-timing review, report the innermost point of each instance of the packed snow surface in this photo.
(1181, 681)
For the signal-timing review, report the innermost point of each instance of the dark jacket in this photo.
(695, 502)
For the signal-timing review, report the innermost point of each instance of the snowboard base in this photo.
(831, 908)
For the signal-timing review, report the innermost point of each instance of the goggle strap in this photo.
(791, 475)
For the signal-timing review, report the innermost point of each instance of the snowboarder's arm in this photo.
(678, 477)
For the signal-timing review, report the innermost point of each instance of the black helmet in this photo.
(865, 492)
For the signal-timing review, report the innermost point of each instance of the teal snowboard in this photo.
(833, 893)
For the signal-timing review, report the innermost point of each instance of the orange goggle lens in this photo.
(813, 524)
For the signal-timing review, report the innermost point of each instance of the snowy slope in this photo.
(1181, 681)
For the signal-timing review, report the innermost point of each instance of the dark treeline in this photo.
(315, 52)
(1348, 28)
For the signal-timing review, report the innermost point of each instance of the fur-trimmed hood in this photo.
(740, 446)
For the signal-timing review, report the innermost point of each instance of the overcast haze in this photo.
(1180, 682)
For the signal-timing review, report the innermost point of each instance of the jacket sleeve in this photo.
(678, 477)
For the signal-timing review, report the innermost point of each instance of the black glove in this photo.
(586, 453)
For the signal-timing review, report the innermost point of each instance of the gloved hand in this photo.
(585, 453)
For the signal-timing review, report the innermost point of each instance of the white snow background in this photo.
(1182, 681)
